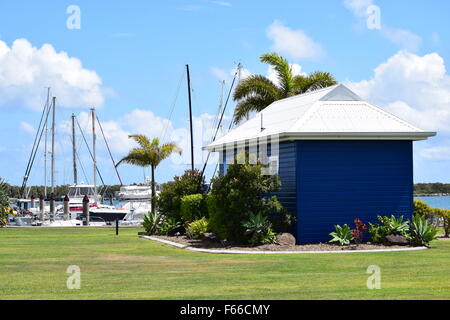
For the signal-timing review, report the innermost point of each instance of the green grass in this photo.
(33, 265)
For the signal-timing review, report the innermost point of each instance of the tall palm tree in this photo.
(149, 153)
(257, 92)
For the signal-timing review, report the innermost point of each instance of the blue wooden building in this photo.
(337, 156)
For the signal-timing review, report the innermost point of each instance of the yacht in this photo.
(76, 195)
(134, 193)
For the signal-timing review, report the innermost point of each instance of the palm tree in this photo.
(149, 153)
(257, 92)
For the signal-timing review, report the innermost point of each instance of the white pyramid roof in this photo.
(333, 113)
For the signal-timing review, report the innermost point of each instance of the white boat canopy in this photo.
(333, 113)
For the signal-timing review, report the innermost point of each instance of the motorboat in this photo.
(134, 193)
(76, 195)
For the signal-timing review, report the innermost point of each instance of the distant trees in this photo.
(430, 188)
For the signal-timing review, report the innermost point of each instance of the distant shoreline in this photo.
(432, 195)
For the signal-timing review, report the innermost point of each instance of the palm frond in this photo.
(256, 85)
(248, 105)
(283, 69)
(142, 140)
(314, 81)
(136, 156)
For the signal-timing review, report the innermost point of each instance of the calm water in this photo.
(436, 202)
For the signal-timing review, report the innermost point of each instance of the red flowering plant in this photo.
(358, 231)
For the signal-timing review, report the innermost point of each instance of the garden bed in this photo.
(215, 247)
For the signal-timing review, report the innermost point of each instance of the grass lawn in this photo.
(33, 265)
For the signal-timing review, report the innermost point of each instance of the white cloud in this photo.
(436, 153)
(223, 74)
(293, 43)
(416, 88)
(26, 127)
(222, 3)
(145, 122)
(405, 39)
(358, 7)
(25, 71)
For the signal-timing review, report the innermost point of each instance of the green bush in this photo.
(444, 215)
(282, 221)
(237, 194)
(152, 223)
(4, 204)
(259, 229)
(193, 207)
(422, 209)
(395, 226)
(168, 201)
(422, 233)
(196, 229)
(343, 235)
(377, 233)
(168, 224)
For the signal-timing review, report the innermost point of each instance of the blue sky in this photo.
(131, 55)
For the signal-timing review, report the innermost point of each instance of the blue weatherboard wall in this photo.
(338, 181)
(287, 172)
(324, 183)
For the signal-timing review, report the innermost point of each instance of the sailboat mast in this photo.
(74, 151)
(190, 116)
(47, 107)
(94, 153)
(53, 143)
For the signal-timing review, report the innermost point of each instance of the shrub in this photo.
(193, 207)
(422, 233)
(377, 233)
(168, 224)
(343, 235)
(196, 229)
(422, 209)
(443, 215)
(168, 201)
(395, 226)
(358, 231)
(282, 221)
(4, 204)
(235, 195)
(259, 229)
(152, 223)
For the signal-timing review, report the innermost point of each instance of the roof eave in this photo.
(289, 136)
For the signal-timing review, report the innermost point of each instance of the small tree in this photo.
(445, 216)
(422, 209)
(169, 199)
(149, 154)
(4, 204)
(241, 192)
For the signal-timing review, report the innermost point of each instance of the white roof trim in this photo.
(418, 136)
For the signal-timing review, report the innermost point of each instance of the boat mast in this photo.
(190, 116)
(74, 151)
(47, 107)
(53, 144)
(94, 154)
